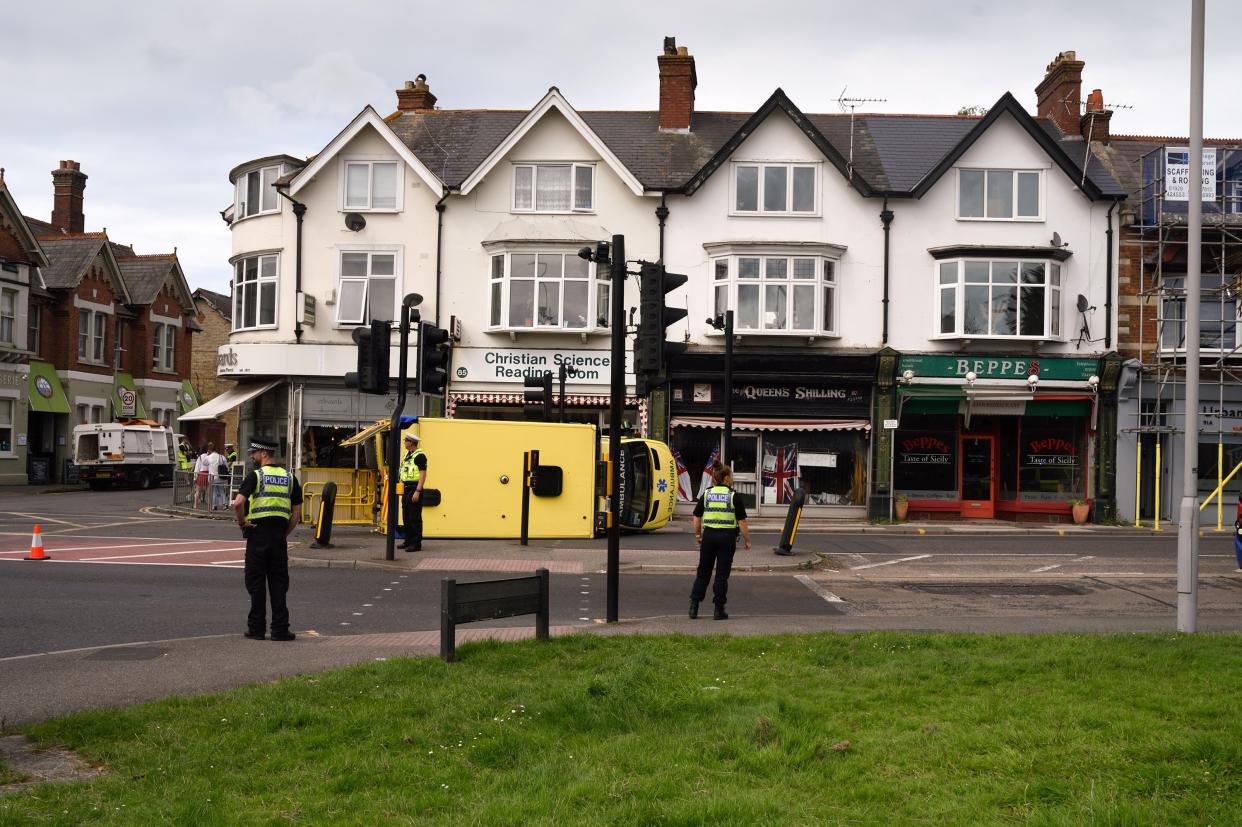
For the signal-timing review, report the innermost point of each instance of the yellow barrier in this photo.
(1220, 488)
(1138, 479)
(1156, 524)
(355, 497)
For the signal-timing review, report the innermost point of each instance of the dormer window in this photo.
(1000, 194)
(775, 189)
(553, 188)
(371, 185)
(255, 194)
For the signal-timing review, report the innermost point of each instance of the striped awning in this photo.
(575, 400)
(750, 423)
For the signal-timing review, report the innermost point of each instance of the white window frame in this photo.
(1014, 172)
(164, 345)
(34, 336)
(369, 162)
(260, 280)
(574, 205)
(8, 409)
(266, 176)
(8, 318)
(1207, 296)
(1055, 273)
(394, 250)
(500, 284)
(824, 283)
(92, 343)
(789, 166)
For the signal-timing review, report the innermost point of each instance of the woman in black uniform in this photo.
(718, 518)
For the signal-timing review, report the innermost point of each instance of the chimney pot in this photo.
(416, 96)
(678, 80)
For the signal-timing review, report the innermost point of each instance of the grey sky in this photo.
(158, 100)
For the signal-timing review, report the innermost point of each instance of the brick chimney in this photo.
(1094, 122)
(1060, 92)
(416, 96)
(677, 82)
(68, 186)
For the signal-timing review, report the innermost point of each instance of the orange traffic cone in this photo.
(36, 546)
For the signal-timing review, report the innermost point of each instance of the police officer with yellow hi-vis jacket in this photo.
(413, 480)
(268, 506)
(719, 517)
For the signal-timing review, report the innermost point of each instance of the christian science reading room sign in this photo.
(479, 364)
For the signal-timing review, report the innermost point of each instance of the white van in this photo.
(137, 453)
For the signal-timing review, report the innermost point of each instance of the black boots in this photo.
(694, 609)
(720, 613)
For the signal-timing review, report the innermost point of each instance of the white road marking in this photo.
(226, 562)
(811, 584)
(1046, 568)
(890, 562)
(1083, 559)
(140, 556)
(127, 545)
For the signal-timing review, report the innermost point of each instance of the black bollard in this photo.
(791, 524)
(323, 526)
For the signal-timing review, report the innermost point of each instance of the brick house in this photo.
(215, 320)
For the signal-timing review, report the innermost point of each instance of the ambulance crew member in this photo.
(268, 506)
(718, 517)
(413, 479)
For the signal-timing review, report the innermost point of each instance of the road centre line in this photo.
(816, 587)
(1046, 568)
(39, 518)
(890, 562)
(105, 537)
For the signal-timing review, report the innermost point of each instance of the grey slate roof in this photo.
(145, 275)
(891, 153)
(69, 255)
(222, 303)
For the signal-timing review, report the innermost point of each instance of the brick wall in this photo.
(1136, 314)
(202, 365)
(60, 328)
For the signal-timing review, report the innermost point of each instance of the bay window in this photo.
(372, 185)
(255, 193)
(1011, 299)
(1000, 194)
(548, 291)
(777, 294)
(553, 187)
(254, 292)
(775, 189)
(368, 286)
(1219, 313)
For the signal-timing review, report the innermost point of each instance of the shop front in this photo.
(798, 422)
(49, 423)
(1007, 437)
(489, 383)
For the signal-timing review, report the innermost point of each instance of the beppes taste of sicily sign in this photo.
(1000, 367)
(485, 364)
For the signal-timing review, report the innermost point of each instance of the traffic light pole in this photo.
(616, 400)
(726, 455)
(409, 314)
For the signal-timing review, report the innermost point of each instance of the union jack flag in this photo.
(706, 481)
(684, 494)
(781, 473)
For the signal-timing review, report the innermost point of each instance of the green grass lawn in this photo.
(877, 728)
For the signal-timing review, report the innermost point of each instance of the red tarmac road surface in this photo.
(128, 550)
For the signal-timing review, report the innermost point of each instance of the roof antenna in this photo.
(853, 103)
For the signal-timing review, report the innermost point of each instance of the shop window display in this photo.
(830, 466)
(925, 460)
(1051, 459)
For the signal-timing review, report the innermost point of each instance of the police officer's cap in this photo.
(259, 444)
(411, 438)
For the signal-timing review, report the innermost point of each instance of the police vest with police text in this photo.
(410, 472)
(718, 508)
(273, 493)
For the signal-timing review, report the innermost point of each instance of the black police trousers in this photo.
(267, 573)
(717, 549)
(412, 514)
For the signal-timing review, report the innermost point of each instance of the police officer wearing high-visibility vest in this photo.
(413, 480)
(719, 516)
(268, 506)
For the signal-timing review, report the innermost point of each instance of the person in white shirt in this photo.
(202, 475)
(212, 460)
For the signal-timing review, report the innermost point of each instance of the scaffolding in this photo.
(1157, 240)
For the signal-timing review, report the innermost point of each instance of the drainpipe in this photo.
(886, 218)
(439, 239)
(299, 210)
(1108, 282)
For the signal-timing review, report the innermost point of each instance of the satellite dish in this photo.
(1083, 305)
(1056, 240)
(354, 221)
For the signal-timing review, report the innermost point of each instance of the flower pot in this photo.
(1081, 511)
(901, 508)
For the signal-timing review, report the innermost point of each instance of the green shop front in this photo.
(49, 424)
(995, 437)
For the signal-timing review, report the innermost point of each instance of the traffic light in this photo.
(537, 396)
(434, 353)
(652, 354)
(373, 350)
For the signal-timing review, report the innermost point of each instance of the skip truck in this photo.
(135, 452)
(478, 468)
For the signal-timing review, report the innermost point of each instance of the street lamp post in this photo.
(724, 322)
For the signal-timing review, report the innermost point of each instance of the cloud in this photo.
(331, 84)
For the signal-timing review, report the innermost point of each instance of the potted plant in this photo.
(1081, 509)
(901, 506)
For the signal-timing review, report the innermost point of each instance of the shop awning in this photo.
(750, 423)
(46, 392)
(188, 397)
(122, 387)
(366, 433)
(229, 400)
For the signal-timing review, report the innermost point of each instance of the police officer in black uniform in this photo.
(413, 479)
(718, 518)
(268, 506)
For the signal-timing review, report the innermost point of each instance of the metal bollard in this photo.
(323, 526)
(785, 549)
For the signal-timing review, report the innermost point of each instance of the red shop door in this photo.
(978, 477)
